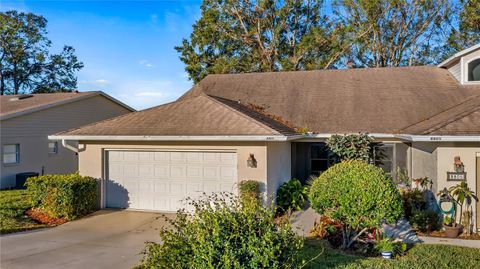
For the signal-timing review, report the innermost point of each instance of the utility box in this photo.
(21, 178)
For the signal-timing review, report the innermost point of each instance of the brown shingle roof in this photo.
(461, 119)
(420, 100)
(375, 100)
(12, 105)
(201, 115)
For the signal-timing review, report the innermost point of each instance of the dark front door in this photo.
(310, 159)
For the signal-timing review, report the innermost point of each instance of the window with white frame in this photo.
(11, 153)
(53, 147)
(474, 70)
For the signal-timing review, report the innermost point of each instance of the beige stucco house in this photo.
(27, 120)
(233, 127)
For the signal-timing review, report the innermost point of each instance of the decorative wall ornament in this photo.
(459, 168)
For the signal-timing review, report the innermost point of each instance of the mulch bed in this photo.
(442, 234)
(44, 218)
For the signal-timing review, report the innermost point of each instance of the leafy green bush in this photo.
(358, 194)
(292, 195)
(351, 147)
(426, 221)
(249, 189)
(413, 201)
(63, 196)
(225, 232)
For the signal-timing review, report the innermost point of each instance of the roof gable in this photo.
(14, 105)
(201, 115)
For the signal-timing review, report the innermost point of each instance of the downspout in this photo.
(70, 147)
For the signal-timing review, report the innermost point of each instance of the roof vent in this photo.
(21, 97)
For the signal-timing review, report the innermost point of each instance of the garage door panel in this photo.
(178, 171)
(211, 172)
(162, 171)
(163, 180)
(177, 157)
(177, 187)
(161, 187)
(146, 170)
(130, 156)
(130, 170)
(194, 171)
(195, 157)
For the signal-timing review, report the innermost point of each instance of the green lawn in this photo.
(13, 204)
(420, 256)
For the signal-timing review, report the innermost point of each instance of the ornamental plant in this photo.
(249, 189)
(359, 195)
(63, 196)
(292, 195)
(225, 232)
(351, 146)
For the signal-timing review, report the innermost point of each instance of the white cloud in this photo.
(145, 63)
(142, 94)
(101, 81)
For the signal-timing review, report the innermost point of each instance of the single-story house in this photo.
(272, 127)
(27, 120)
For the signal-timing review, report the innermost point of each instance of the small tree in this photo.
(463, 196)
(358, 194)
(351, 147)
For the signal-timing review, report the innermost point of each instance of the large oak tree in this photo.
(235, 36)
(26, 64)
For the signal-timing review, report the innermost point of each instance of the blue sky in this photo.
(127, 47)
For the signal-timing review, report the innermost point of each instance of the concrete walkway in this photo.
(106, 239)
(450, 241)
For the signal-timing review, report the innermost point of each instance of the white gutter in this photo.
(374, 135)
(405, 137)
(70, 147)
(441, 138)
(171, 138)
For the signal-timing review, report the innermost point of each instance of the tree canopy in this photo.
(26, 64)
(239, 36)
(235, 36)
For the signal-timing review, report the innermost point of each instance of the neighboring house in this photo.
(27, 120)
(234, 127)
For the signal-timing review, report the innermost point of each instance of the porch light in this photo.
(251, 161)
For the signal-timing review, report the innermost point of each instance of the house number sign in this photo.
(459, 174)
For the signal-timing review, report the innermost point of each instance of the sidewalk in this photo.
(450, 241)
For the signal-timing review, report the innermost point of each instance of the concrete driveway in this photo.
(106, 239)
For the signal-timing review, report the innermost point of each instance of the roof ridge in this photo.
(261, 124)
(461, 114)
(360, 69)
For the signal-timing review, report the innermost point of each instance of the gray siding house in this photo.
(27, 120)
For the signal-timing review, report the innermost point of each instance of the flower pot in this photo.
(453, 231)
(387, 254)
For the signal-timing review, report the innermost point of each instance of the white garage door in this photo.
(161, 180)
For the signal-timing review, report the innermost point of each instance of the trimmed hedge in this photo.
(63, 196)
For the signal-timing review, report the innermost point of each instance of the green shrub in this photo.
(249, 188)
(413, 201)
(358, 194)
(426, 221)
(224, 232)
(292, 195)
(351, 147)
(63, 196)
